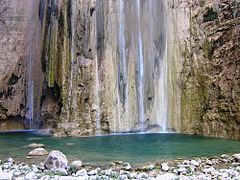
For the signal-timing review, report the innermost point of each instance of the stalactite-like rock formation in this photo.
(96, 67)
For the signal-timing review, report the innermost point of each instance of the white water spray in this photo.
(140, 71)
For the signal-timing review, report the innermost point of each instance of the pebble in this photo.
(127, 166)
(165, 167)
(194, 163)
(76, 165)
(82, 172)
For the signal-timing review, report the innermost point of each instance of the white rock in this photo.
(82, 172)
(151, 167)
(209, 170)
(76, 165)
(30, 176)
(133, 175)
(93, 172)
(237, 157)
(194, 163)
(56, 160)
(182, 170)
(10, 160)
(127, 166)
(6, 176)
(108, 172)
(142, 176)
(208, 162)
(186, 162)
(17, 173)
(38, 152)
(167, 176)
(123, 177)
(165, 167)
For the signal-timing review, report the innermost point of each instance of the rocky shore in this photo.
(56, 166)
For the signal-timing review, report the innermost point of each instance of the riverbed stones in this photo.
(56, 160)
(38, 152)
(179, 170)
(167, 176)
(6, 175)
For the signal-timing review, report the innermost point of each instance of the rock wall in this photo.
(86, 66)
(14, 25)
(210, 77)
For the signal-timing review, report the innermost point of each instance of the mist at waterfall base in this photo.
(135, 148)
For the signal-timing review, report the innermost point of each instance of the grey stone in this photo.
(127, 166)
(56, 160)
(82, 172)
(76, 165)
(38, 152)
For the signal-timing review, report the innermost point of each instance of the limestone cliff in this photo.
(97, 66)
(210, 99)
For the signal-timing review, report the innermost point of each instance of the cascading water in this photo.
(34, 73)
(140, 69)
(71, 94)
(142, 40)
(96, 104)
(30, 88)
(122, 84)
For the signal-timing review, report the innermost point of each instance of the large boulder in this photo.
(56, 161)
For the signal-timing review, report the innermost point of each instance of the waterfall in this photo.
(97, 100)
(98, 38)
(34, 73)
(122, 79)
(30, 88)
(71, 95)
(140, 73)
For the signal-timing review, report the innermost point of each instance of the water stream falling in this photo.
(122, 80)
(34, 73)
(30, 88)
(97, 83)
(71, 95)
(140, 69)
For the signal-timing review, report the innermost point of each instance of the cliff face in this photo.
(15, 18)
(90, 67)
(210, 99)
